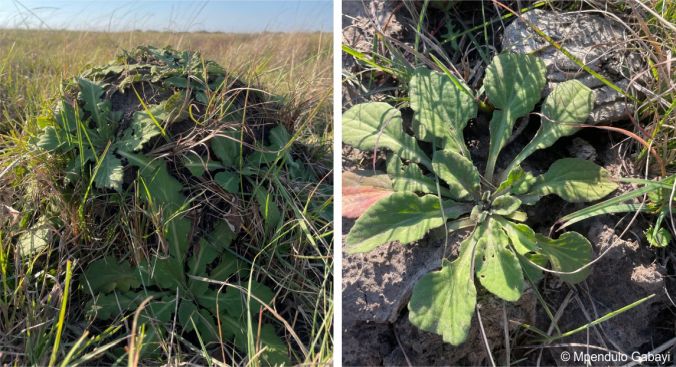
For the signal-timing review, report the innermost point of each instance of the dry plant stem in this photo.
(403, 351)
(134, 354)
(666, 291)
(589, 319)
(484, 338)
(557, 316)
(173, 325)
(671, 208)
(659, 160)
(506, 330)
(664, 22)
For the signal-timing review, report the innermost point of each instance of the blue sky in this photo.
(215, 15)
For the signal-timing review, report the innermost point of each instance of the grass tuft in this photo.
(43, 317)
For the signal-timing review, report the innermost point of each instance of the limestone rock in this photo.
(601, 43)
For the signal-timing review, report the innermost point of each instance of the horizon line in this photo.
(154, 31)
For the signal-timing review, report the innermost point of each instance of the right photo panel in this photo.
(508, 183)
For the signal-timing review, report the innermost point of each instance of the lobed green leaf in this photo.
(227, 148)
(574, 180)
(568, 253)
(497, 267)
(513, 85)
(369, 126)
(110, 173)
(403, 217)
(505, 205)
(410, 178)
(443, 301)
(442, 108)
(459, 173)
(229, 181)
(569, 104)
(107, 274)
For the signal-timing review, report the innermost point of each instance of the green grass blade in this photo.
(363, 58)
(603, 318)
(74, 349)
(616, 204)
(150, 114)
(62, 314)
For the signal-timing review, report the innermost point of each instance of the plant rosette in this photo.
(130, 153)
(423, 191)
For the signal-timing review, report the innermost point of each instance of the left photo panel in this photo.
(166, 190)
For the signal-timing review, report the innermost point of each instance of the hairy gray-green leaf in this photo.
(528, 264)
(167, 273)
(272, 215)
(279, 137)
(206, 254)
(222, 301)
(228, 265)
(197, 165)
(211, 247)
(522, 237)
(658, 236)
(403, 217)
(505, 205)
(227, 148)
(107, 306)
(524, 242)
(574, 180)
(158, 186)
(90, 94)
(513, 85)
(443, 301)
(160, 308)
(458, 172)
(177, 233)
(518, 182)
(110, 173)
(276, 350)
(570, 103)
(75, 168)
(374, 125)
(570, 252)
(236, 301)
(141, 130)
(50, 140)
(196, 318)
(35, 239)
(497, 267)
(229, 181)
(441, 107)
(222, 235)
(411, 178)
(66, 117)
(107, 274)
